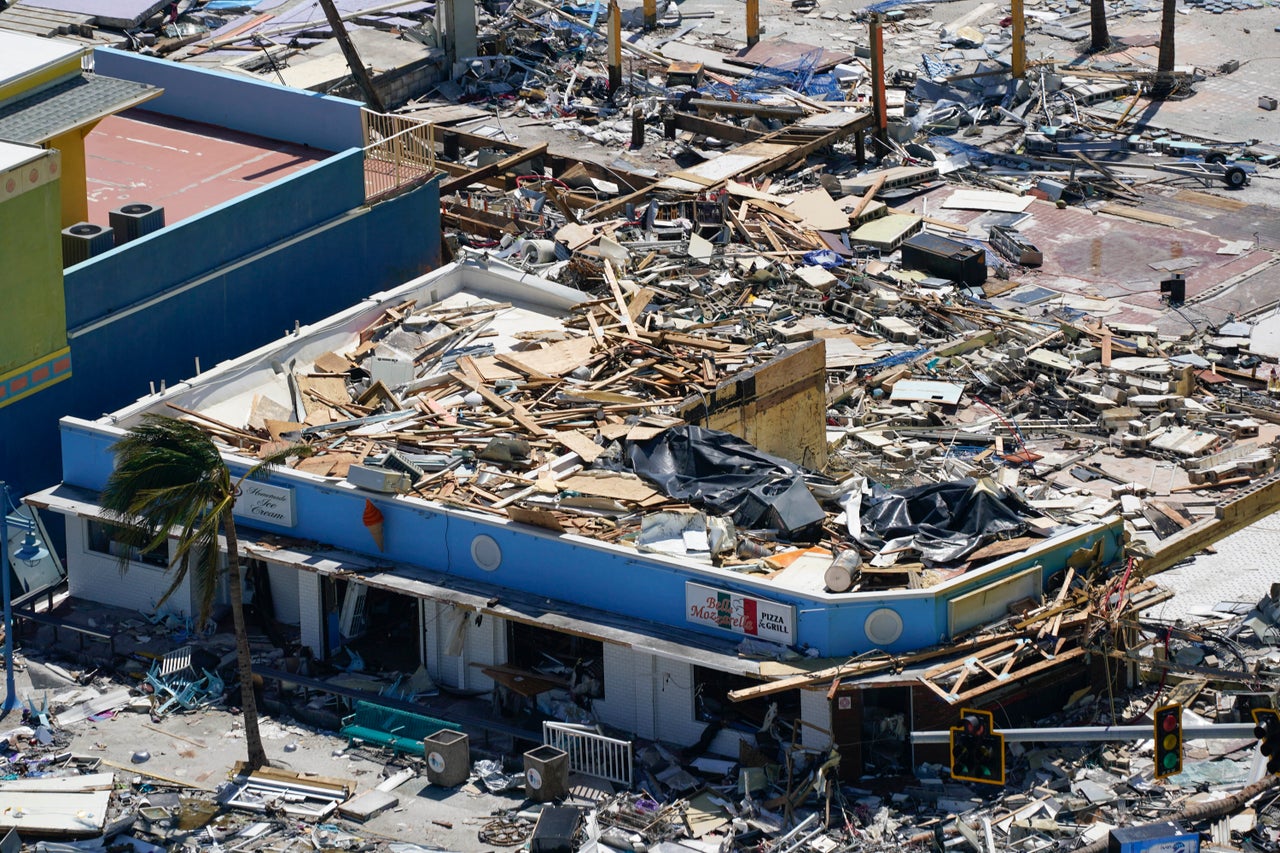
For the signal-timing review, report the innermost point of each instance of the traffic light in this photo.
(977, 752)
(1266, 728)
(1168, 729)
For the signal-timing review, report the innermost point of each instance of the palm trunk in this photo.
(1098, 25)
(1164, 65)
(253, 738)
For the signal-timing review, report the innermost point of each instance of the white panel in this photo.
(991, 602)
(815, 709)
(619, 707)
(673, 703)
(310, 613)
(284, 593)
(486, 644)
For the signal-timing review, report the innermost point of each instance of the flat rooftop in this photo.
(21, 55)
(185, 167)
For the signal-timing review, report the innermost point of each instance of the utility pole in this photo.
(358, 70)
(1019, 40)
(753, 22)
(879, 102)
(615, 47)
(650, 14)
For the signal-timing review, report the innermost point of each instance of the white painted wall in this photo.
(285, 590)
(96, 577)
(310, 615)
(815, 709)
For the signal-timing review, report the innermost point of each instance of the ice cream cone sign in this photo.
(373, 521)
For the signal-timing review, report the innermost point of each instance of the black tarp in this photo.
(727, 476)
(944, 521)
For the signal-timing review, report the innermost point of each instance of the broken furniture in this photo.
(402, 731)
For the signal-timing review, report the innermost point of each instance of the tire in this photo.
(1215, 157)
(1235, 177)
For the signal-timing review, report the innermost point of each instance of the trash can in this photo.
(546, 774)
(448, 758)
(556, 830)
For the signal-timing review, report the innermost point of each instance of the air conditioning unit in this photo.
(135, 220)
(378, 479)
(85, 240)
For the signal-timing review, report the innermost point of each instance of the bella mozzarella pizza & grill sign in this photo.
(741, 614)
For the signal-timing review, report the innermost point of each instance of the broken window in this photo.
(711, 702)
(106, 538)
(577, 660)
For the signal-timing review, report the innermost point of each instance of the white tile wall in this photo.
(486, 644)
(96, 577)
(438, 629)
(310, 616)
(285, 584)
(815, 709)
(621, 707)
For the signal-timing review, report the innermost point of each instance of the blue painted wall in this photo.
(576, 572)
(239, 103)
(215, 287)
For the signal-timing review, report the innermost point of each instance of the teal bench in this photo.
(403, 731)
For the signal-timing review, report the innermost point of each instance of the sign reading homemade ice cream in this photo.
(267, 503)
(742, 614)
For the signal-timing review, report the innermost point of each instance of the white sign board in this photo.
(266, 503)
(741, 614)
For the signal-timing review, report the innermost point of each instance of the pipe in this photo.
(1223, 731)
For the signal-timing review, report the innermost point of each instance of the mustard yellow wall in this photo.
(75, 185)
(33, 322)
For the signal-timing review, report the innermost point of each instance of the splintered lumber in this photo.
(862, 667)
(454, 184)
(517, 411)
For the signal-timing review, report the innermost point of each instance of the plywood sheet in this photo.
(987, 200)
(817, 210)
(75, 815)
(558, 358)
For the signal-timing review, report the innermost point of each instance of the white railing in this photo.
(399, 151)
(589, 753)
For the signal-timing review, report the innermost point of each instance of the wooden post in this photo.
(637, 128)
(358, 70)
(650, 14)
(753, 22)
(1019, 40)
(615, 47)
(878, 100)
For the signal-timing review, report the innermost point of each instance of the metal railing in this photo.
(589, 753)
(399, 152)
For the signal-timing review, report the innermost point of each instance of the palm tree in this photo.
(169, 475)
(1098, 25)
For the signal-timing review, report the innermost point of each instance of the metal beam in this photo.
(1093, 734)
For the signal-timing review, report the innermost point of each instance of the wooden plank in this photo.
(1141, 215)
(1069, 654)
(510, 162)
(624, 314)
(517, 411)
